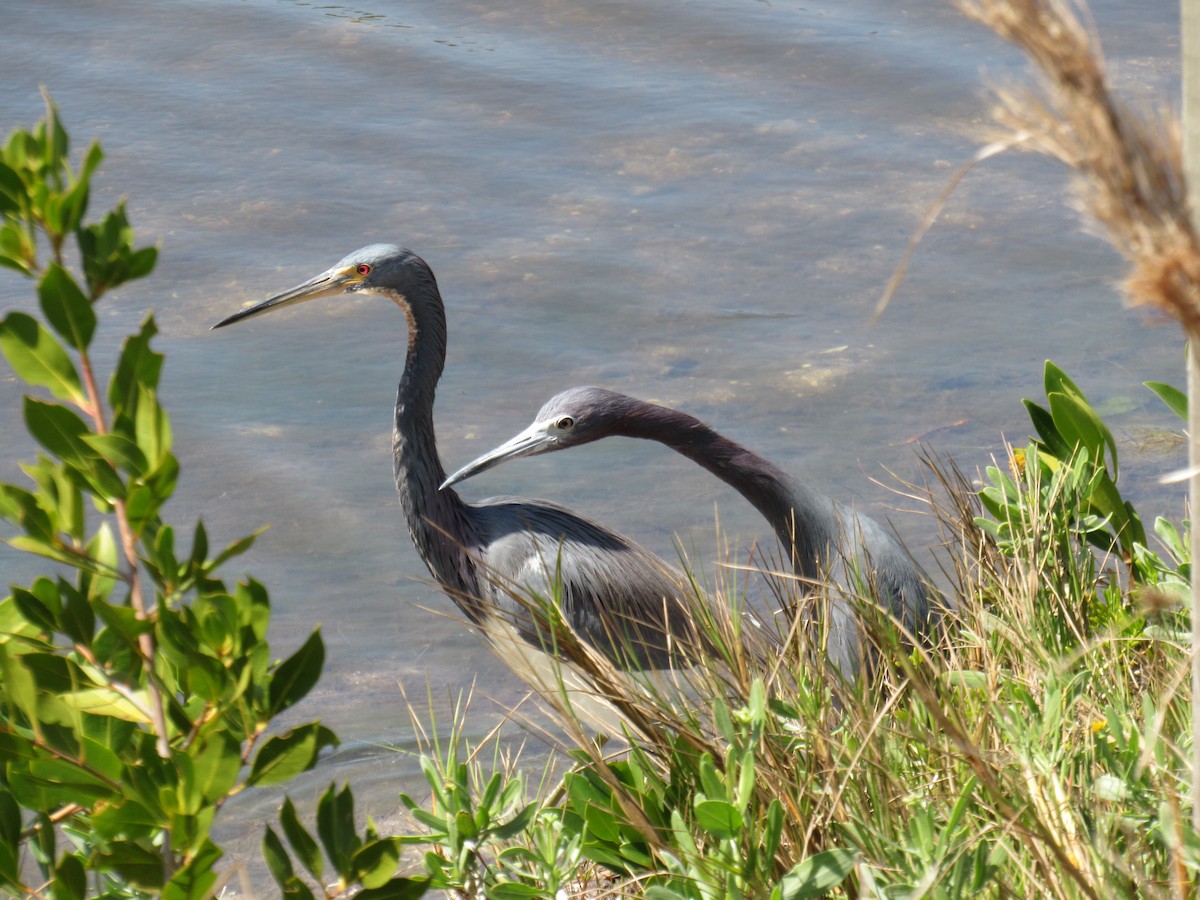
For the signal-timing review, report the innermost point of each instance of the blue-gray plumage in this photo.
(620, 598)
(826, 540)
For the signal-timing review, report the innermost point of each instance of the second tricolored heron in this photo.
(827, 541)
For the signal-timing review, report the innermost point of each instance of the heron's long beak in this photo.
(329, 282)
(533, 440)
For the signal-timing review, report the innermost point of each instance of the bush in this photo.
(137, 689)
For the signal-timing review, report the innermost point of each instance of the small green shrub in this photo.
(136, 687)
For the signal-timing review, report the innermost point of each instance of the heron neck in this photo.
(438, 521)
(804, 520)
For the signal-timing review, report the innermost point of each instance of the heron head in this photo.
(574, 417)
(379, 268)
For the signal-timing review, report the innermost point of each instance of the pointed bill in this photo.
(331, 281)
(533, 440)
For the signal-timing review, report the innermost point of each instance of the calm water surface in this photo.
(693, 202)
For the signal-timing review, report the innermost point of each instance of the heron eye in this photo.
(363, 269)
(565, 423)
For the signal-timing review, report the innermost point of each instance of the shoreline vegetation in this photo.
(1043, 747)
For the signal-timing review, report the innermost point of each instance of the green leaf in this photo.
(62, 782)
(136, 864)
(464, 826)
(234, 550)
(335, 827)
(152, 428)
(49, 550)
(746, 780)
(818, 875)
(45, 614)
(102, 759)
(437, 826)
(66, 307)
(758, 702)
(723, 720)
(296, 675)
(277, 859)
(138, 367)
(60, 431)
(659, 892)
(397, 889)
(64, 434)
(711, 782)
(12, 190)
(772, 831)
(719, 818)
(1047, 431)
(303, 844)
(60, 494)
(517, 824)
(255, 604)
(38, 358)
(966, 678)
(1079, 424)
(55, 143)
(10, 820)
(20, 507)
(1175, 399)
(17, 249)
(375, 862)
(141, 263)
(20, 690)
(109, 258)
(287, 755)
(514, 890)
(101, 565)
(104, 701)
(1168, 533)
(53, 673)
(1055, 381)
(118, 450)
(122, 622)
(216, 761)
(70, 880)
(195, 879)
(78, 198)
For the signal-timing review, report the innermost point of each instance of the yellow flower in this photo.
(1016, 462)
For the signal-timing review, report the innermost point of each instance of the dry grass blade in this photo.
(931, 215)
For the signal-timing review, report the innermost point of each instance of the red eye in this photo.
(364, 269)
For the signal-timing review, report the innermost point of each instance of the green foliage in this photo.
(1071, 433)
(471, 818)
(1063, 490)
(367, 860)
(136, 687)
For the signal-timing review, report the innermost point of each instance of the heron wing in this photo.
(617, 596)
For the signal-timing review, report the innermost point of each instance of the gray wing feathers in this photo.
(618, 597)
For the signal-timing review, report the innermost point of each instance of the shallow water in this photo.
(697, 203)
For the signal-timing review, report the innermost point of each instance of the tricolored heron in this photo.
(826, 540)
(620, 598)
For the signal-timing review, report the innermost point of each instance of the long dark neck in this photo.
(438, 521)
(804, 520)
